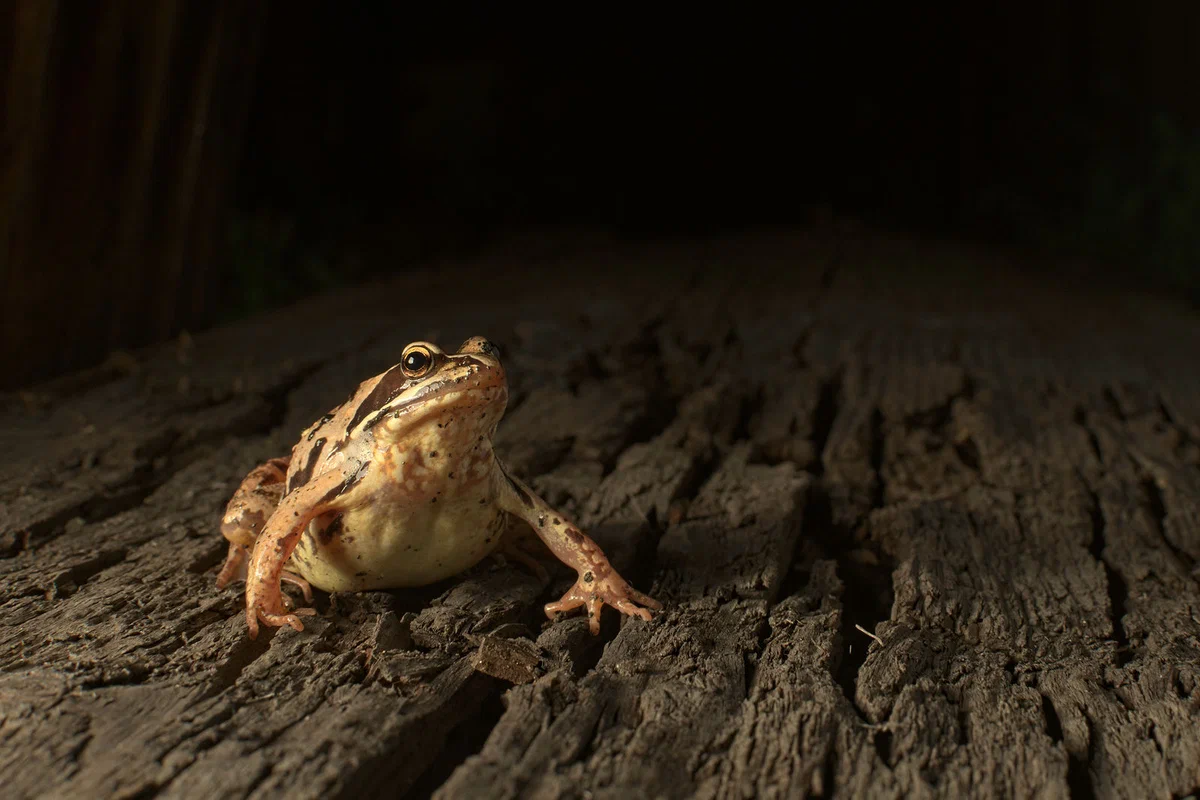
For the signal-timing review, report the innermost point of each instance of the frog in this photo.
(398, 487)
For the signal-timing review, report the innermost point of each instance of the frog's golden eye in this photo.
(416, 362)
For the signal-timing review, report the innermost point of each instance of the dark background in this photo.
(168, 166)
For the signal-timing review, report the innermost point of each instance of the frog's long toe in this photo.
(253, 617)
(644, 599)
(569, 602)
(573, 600)
(629, 609)
(304, 586)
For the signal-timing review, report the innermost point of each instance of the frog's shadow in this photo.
(492, 582)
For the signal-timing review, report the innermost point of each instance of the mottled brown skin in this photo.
(245, 517)
(399, 486)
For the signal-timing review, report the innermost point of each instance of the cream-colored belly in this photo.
(391, 546)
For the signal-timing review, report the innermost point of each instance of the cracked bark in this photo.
(1004, 496)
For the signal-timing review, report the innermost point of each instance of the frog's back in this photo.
(322, 443)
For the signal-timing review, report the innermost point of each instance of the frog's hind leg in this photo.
(518, 544)
(248, 510)
(234, 568)
(277, 542)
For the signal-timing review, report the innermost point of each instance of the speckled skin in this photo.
(399, 487)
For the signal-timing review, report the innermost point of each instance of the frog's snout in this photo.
(479, 344)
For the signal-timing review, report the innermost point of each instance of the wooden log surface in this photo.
(926, 523)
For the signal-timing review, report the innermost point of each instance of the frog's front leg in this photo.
(598, 583)
(274, 546)
(248, 511)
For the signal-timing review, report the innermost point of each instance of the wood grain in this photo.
(924, 524)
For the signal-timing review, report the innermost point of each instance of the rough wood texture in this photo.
(925, 525)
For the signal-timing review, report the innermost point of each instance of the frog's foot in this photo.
(510, 548)
(594, 593)
(234, 568)
(273, 611)
(276, 619)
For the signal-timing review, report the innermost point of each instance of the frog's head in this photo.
(435, 394)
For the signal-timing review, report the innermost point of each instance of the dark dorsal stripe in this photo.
(304, 473)
(390, 385)
(376, 402)
(344, 486)
(316, 427)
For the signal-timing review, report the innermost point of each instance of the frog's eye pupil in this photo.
(416, 361)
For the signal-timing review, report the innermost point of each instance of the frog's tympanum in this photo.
(399, 487)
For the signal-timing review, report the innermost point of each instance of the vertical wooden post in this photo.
(121, 122)
(27, 101)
